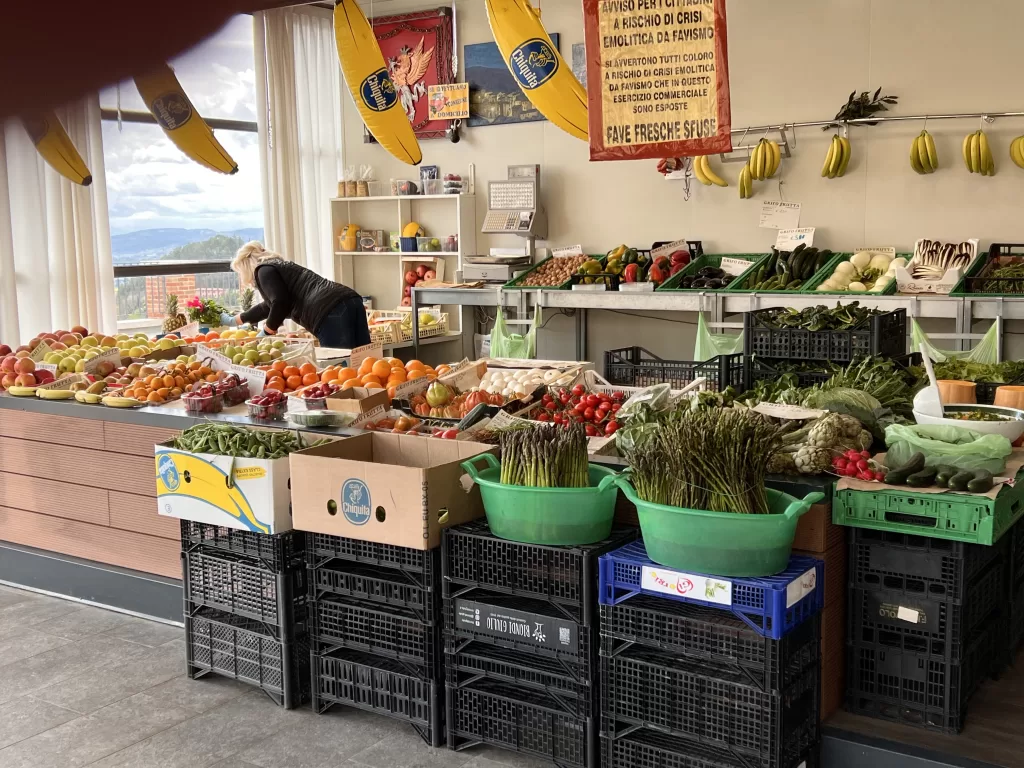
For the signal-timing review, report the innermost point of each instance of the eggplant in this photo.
(711, 272)
(700, 282)
(714, 283)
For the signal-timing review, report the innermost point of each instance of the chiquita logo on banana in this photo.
(533, 63)
(379, 92)
(171, 111)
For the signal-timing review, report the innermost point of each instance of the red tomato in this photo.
(543, 416)
(588, 414)
(592, 431)
(592, 400)
(579, 390)
(564, 398)
(580, 407)
(615, 407)
(611, 427)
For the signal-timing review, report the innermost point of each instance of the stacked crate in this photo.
(926, 625)
(708, 672)
(376, 630)
(245, 608)
(521, 635)
(1015, 618)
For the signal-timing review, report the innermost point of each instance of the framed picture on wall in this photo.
(494, 96)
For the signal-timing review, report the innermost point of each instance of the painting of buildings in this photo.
(494, 96)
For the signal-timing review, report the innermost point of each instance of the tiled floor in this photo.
(82, 686)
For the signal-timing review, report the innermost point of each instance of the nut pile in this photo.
(554, 272)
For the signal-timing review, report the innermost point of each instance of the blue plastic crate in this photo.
(773, 606)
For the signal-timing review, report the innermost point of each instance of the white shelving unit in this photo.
(379, 274)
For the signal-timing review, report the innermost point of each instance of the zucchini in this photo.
(898, 475)
(982, 482)
(945, 472)
(959, 481)
(924, 478)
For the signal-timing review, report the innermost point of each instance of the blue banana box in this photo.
(249, 494)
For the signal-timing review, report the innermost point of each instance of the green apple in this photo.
(252, 355)
(237, 358)
(80, 366)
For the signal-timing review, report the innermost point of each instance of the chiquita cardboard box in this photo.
(251, 494)
(387, 488)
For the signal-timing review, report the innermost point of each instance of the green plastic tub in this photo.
(559, 516)
(721, 543)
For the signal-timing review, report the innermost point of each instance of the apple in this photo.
(44, 376)
(5, 350)
(24, 365)
(430, 275)
(7, 364)
(8, 380)
(22, 348)
(421, 270)
(79, 329)
(33, 343)
(58, 345)
(22, 353)
(68, 339)
(411, 277)
(407, 301)
(407, 290)
(25, 380)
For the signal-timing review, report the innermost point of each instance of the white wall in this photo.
(789, 61)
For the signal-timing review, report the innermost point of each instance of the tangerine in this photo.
(368, 379)
(293, 382)
(414, 365)
(416, 373)
(277, 384)
(306, 369)
(344, 374)
(374, 385)
(212, 335)
(290, 371)
(367, 365)
(331, 374)
(381, 369)
(310, 378)
(350, 383)
(278, 365)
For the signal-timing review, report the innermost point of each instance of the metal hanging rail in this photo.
(988, 117)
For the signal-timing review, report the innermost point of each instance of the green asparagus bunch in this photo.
(545, 456)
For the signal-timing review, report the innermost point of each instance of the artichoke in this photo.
(811, 460)
(849, 425)
(826, 431)
(782, 463)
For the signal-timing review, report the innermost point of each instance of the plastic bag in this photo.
(985, 351)
(711, 345)
(955, 446)
(513, 345)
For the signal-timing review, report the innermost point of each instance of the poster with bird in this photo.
(418, 51)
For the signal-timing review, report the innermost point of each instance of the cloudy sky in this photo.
(151, 184)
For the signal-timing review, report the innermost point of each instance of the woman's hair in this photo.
(248, 257)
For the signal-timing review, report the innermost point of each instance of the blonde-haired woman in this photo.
(330, 311)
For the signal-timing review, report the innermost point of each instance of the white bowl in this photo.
(1010, 428)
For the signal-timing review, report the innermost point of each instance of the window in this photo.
(165, 207)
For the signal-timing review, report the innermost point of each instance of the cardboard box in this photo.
(194, 486)
(815, 531)
(357, 400)
(387, 488)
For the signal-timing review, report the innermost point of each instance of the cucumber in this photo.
(982, 482)
(959, 481)
(898, 475)
(922, 479)
(945, 472)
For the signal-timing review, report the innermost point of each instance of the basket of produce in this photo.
(839, 334)
(203, 400)
(233, 389)
(321, 419)
(553, 272)
(1001, 274)
(268, 406)
(638, 367)
(544, 491)
(936, 267)
(709, 272)
(784, 271)
(698, 483)
(861, 272)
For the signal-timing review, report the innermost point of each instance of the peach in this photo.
(5, 350)
(25, 365)
(48, 336)
(68, 339)
(57, 345)
(34, 343)
(7, 364)
(22, 353)
(25, 380)
(22, 348)
(80, 329)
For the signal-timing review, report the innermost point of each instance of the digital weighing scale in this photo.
(513, 206)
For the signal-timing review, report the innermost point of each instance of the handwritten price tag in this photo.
(735, 267)
(112, 357)
(670, 248)
(187, 331)
(371, 416)
(41, 351)
(779, 215)
(408, 389)
(367, 350)
(788, 239)
(569, 250)
(257, 379)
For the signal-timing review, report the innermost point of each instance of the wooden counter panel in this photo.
(138, 513)
(99, 469)
(49, 497)
(138, 441)
(43, 428)
(125, 549)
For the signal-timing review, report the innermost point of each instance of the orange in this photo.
(443, 369)
(307, 368)
(393, 361)
(367, 365)
(277, 384)
(345, 374)
(172, 336)
(414, 365)
(290, 371)
(164, 392)
(431, 376)
(368, 379)
(374, 385)
(391, 391)
(200, 337)
(416, 373)
(154, 397)
(350, 384)
(310, 378)
(381, 369)
(293, 382)
(279, 365)
(212, 335)
(331, 374)
(398, 377)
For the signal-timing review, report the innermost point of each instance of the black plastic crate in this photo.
(914, 622)
(569, 684)
(651, 689)
(519, 624)
(243, 586)
(646, 748)
(377, 585)
(384, 686)
(809, 373)
(884, 335)
(1016, 555)
(1015, 622)
(384, 631)
(637, 367)
(521, 720)
(564, 576)
(277, 552)
(915, 689)
(716, 639)
(422, 567)
(243, 649)
(937, 568)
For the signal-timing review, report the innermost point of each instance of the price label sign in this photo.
(568, 250)
(886, 250)
(788, 239)
(367, 350)
(734, 267)
(670, 248)
(408, 389)
(218, 360)
(41, 351)
(257, 379)
(187, 331)
(111, 357)
(778, 215)
(371, 416)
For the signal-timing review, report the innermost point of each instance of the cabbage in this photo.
(841, 396)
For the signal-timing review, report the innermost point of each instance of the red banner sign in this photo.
(657, 78)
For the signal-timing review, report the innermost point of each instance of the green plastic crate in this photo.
(974, 269)
(826, 272)
(958, 517)
(514, 283)
(710, 260)
(735, 285)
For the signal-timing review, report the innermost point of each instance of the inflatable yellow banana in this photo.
(372, 90)
(174, 113)
(537, 66)
(54, 144)
(184, 474)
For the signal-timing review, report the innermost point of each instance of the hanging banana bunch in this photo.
(706, 176)
(838, 157)
(923, 157)
(746, 183)
(1017, 151)
(764, 160)
(978, 155)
